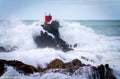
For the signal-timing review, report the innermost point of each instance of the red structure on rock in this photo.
(48, 18)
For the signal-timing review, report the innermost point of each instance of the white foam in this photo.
(96, 48)
(19, 35)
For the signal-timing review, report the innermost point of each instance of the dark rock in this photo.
(107, 66)
(14, 63)
(26, 69)
(57, 63)
(21, 67)
(84, 58)
(101, 71)
(72, 66)
(69, 68)
(87, 59)
(94, 73)
(68, 65)
(109, 72)
(105, 72)
(2, 49)
(18, 66)
(2, 67)
(75, 45)
(52, 28)
(77, 62)
(45, 40)
(66, 48)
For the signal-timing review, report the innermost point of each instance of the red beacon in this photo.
(48, 18)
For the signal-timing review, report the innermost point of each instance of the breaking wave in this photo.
(99, 49)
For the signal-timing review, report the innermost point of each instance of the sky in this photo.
(61, 9)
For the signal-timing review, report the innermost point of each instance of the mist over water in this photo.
(97, 41)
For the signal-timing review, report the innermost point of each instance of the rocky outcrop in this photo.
(100, 72)
(2, 49)
(75, 67)
(45, 40)
(18, 66)
(56, 64)
(2, 67)
(21, 67)
(105, 72)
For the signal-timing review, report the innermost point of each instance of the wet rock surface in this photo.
(21, 67)
(56, 64)
(18, 66)
(2, 67)
(45, 40)
(75, 67)
(105, 72)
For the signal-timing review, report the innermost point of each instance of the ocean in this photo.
(97, 40)
(104, 27)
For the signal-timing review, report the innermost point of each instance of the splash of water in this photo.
(95, 47)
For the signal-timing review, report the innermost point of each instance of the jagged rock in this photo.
(2, 67)
(105, 72)
(21, 67)
(52, 28)
(2, 49)
(101, 71)
(69, 68)
(45, 40)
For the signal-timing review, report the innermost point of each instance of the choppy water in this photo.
(104, 27)
(98, 40)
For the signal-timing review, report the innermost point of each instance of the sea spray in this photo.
(16, 34)
(96, 48)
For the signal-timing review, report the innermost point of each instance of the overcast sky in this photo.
(62, 9)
